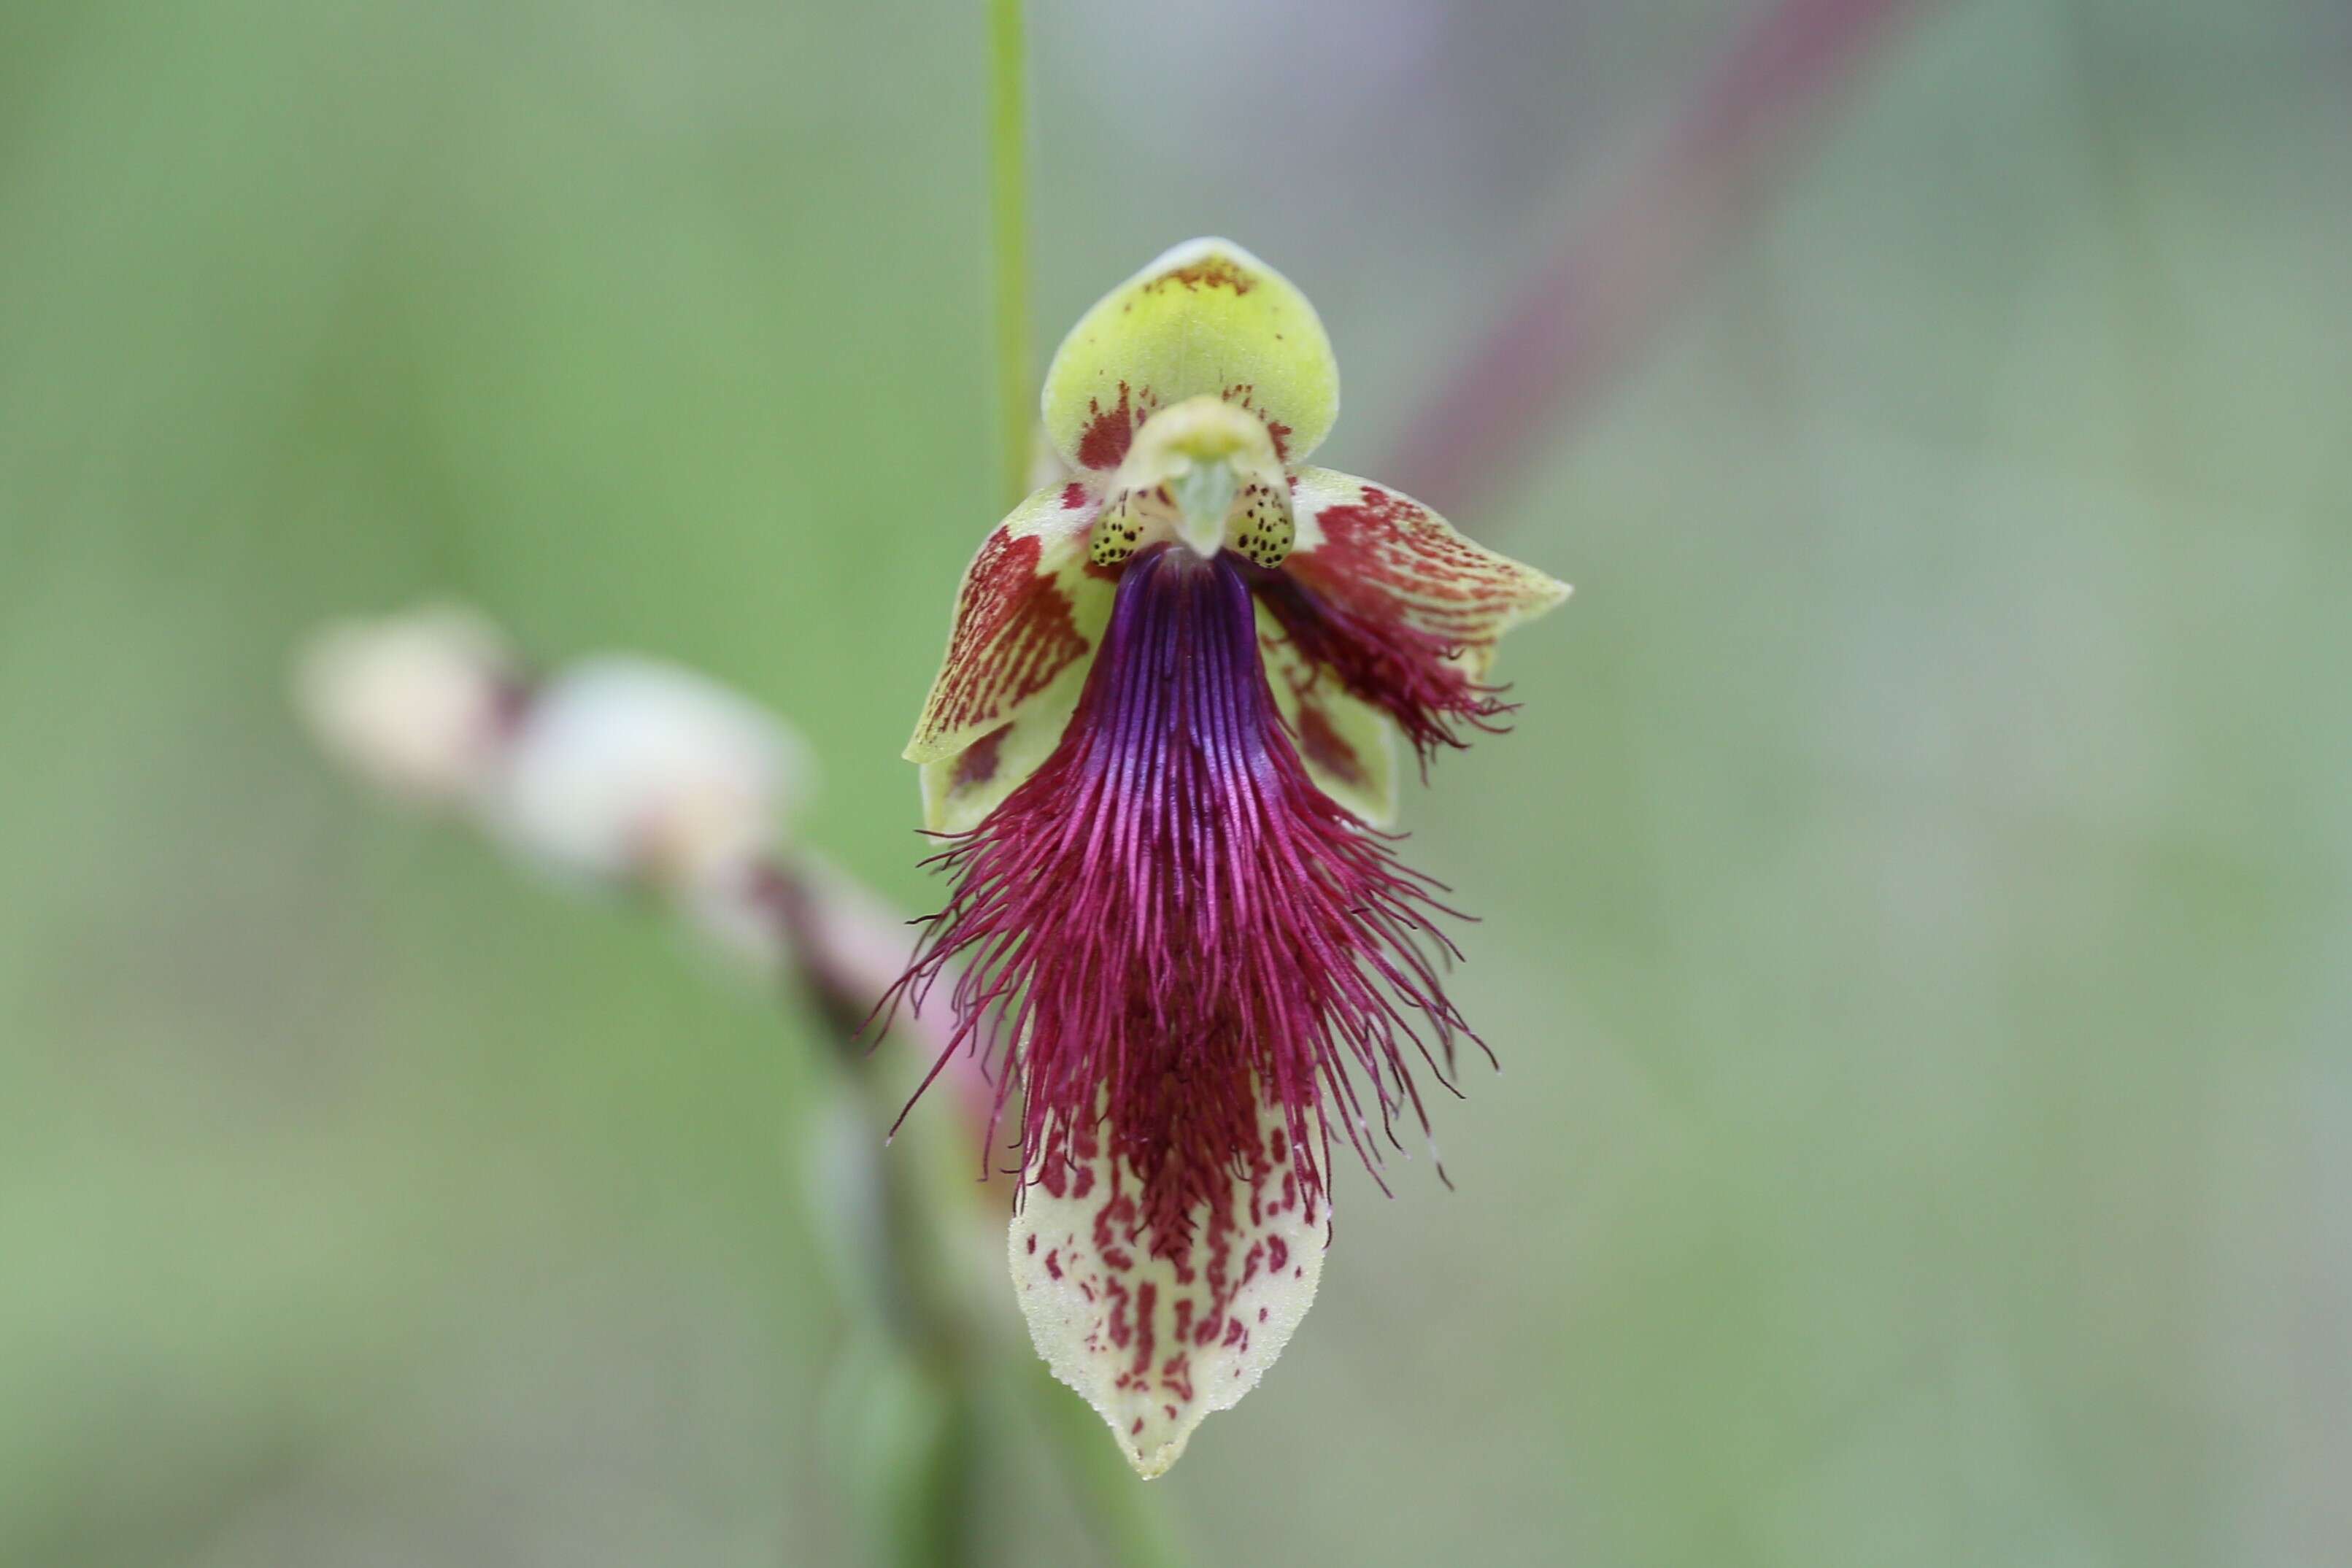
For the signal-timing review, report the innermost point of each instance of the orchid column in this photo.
(1165, 739)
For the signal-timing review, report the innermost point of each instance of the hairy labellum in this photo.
(1169, 914)
(1198, 962)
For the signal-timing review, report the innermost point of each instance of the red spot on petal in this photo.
(1107, 434)
(976, 763)
(1320, 742)
(1146, 1298)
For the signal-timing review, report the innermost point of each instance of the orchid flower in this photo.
(1164, 742)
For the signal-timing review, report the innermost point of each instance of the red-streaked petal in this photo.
(1158, 1339)
(1386, 560)
(1029, 609)
(1420, 684)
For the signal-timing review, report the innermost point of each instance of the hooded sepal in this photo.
(1207, 318)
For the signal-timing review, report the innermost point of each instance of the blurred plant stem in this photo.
(1009, 228)
(1614, 281)
(843, 956)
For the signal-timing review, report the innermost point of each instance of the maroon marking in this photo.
(1215, 272)
(1121, 1331)
(1146, 1298)
(1244, 395)
(1074, 495)
(1320, 742)
(1033, 1244)
(1107, 434)
(976, 763)
(1053, 1262)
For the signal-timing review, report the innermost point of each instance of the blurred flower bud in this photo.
(629, 770)
(418, 704)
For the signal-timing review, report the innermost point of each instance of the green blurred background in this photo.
(1917, 922)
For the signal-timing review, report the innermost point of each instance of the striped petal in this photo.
(1208, 318)
(1027, 617)
(1386, 559)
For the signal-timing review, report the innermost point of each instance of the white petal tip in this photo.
(1157, 1344)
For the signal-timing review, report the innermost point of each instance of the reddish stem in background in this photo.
(1614, 279)
(845, 950)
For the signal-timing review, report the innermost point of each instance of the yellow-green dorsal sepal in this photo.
(1207, 318)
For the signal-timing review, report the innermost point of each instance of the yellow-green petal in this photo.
(961, 790)
(1030, 609)
(1207, 318)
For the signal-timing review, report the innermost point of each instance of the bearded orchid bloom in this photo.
(1164, 745)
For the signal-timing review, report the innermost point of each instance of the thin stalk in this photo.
(1008, 184)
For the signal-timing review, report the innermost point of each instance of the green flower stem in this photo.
(1009, 239)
